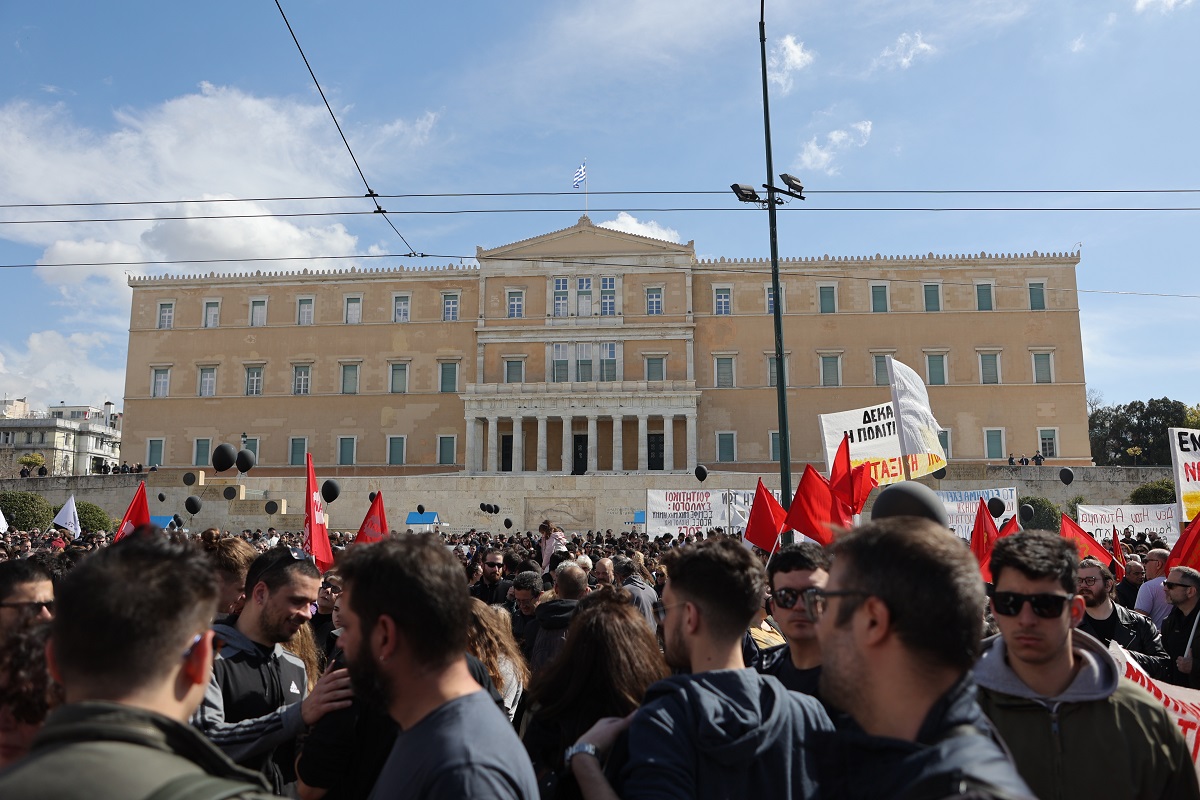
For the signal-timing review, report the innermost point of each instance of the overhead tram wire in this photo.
(714, 269)
(370, 192)
(618, 193)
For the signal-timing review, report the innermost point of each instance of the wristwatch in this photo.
(576, 749)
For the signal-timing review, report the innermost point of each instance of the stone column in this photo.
(643, 440)
(472, 445)
(518, 457)
(668, 442)
(691, 442)
(618, 463)
(567, 444)
(592, 465)
(541, 443)
(493, 444)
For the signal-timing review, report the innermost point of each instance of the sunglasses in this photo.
(332, 587)
(33, 606)
(283, 557)
(786, 598)
(816, 600)
(1171, 585)
(660, 610)
(1046, 606)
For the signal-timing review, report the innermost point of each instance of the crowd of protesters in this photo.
(593, 664)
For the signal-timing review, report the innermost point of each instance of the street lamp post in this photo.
(747, 194)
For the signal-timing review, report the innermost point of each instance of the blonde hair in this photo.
(490, 638)
(303, 645)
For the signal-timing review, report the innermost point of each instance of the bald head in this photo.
(571, 582)
(604, 572)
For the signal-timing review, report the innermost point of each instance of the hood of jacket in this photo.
(236, 642)
(556, 614)
(1097, 678)
(736, 714)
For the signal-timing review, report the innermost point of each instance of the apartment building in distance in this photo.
(73, 440)
(590, 351)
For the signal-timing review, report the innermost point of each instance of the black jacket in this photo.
(1137, 634)
(553, 617)
(111, 751)
(251, 708)
(1127, 593)
(494, 594)
(1176, 631)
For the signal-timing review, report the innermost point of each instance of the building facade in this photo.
(589, 350)
(73, 440)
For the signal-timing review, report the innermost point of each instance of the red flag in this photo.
(1186, 552)
(766, 520)
(1086, 545)
(316, 534)
(374, 526)
(136, 515)
(1010, 527)
(851, 484)
(983, 539)
(1118, 556)
(815, 508)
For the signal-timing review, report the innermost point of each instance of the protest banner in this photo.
(961, 507)
(680, 512)
(1185, 464)
(873, 440)
(918, 429)
(1153, 520)
(1182, 704)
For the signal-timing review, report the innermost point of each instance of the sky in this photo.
(142, 102)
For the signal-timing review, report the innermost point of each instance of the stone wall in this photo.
(575, 502)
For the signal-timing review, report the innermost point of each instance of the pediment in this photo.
(586, 239)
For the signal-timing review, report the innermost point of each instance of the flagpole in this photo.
(585, 189)
(1187, 651)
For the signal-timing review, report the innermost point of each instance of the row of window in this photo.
(346, 450)
(994, 440)
(160, 379)
(580, 298)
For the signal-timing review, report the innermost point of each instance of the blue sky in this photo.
(141, 101)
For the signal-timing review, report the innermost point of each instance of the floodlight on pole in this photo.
(745, 192)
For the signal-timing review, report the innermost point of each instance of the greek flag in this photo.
(580, 175)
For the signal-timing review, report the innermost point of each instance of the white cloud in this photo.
(908, 47)
(817, 157)
(627, 223)
(1077, 44)
(50, 366)
(787, 57)
(1164, 6)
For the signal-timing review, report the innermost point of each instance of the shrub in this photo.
(26, 510)
(1157, 492)
(91, 516)
(1046, 515)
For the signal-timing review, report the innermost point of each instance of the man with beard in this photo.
(795, 569)
(492, 588)
(723, 730)
(603, 573)
(1076, 729)
(899, 623)
(1109, 622)
(255, 704)
(405, 616)
(1182, 589)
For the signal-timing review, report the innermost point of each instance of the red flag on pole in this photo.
(1010, 527)
(1186, 552)
(316, 534)
(1086, 545)
(136, 515)
(1118, 556)
(815, 508)
(851, 484)
(374, 526)
(766, 520)
(983, 539)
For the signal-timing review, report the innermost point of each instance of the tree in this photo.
(1046, 515)
(26, 510)
(1159, 492)
(91, 516)
(32, 460)
(1135, 433)
(1095, 400)
(1193, 417)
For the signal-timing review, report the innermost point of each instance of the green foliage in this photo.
(1118, 431)
(32, 460)
(1073, 506)
(1159, 492)
(26, 510)
(1192, 419)
(91, 516)
(1046, 515)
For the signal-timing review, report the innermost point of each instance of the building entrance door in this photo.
(506, 452)
(655, 449)
(580, 452)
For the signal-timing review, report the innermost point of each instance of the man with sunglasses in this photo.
(1151, 600)
(1109, 622)
(322, 619)
(256, 704)
(1075, 728)
(791, 572)
(492, 588)
(26, 593)
(1182, 589)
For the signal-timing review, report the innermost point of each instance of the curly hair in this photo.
(26, 688)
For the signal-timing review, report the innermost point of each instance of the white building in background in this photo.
(74, 440)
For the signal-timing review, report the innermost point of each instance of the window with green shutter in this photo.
(935, 369)
(933, 297)
(1037, 298)
(983, 296)
(989, 367)
(1042, 369)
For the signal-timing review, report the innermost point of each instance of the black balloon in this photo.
(495, 508)
(1027, 512)
(178, 520)
(910, 499)
(330, 490)
(701, 472)
(1066, 476)
(272, 507)
(507, 523)
(940, 474)
(245, 460)
(420, 509)
(189, 478)
(483, 507)
(192, 504)
(162, 498)
(224, 457)
(230, 492)
(995, 507)
(371, 497)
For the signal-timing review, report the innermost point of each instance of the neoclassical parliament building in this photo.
(592, 351)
